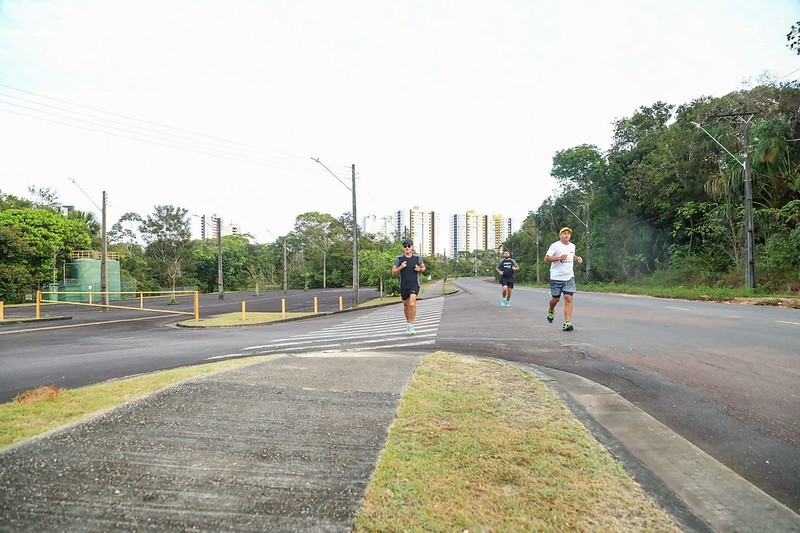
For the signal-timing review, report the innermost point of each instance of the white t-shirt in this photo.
(562, 270)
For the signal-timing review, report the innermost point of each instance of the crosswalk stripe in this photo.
(380, 329)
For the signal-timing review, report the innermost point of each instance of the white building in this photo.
(383, 227)
(209, 227)
(473, 231)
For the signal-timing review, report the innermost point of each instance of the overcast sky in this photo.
(218, 107)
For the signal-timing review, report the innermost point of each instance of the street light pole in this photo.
(324, 262)
(354, 228)
(750, 262)
(219, 258)
(285, 275)
(104, 257)
(588, 240)
(103, 246)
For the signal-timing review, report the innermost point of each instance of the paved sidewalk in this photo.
(284, 445)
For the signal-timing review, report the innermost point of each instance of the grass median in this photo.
(483, 446)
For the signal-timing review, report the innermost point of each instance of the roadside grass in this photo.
(235, 319)
(698, 292)
(19, 421)
(482, 446)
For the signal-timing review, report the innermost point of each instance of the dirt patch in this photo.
(789, 303)
(48, 392)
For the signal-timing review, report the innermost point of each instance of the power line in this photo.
(175, 138)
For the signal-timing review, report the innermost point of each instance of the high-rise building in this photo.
(473, 231)
(424, 230)
(210, 226)
(384, 227)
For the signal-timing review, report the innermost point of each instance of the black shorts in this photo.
(406, 293)
(506, 281)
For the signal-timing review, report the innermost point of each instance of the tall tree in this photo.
(581, 169)
(38, 239)
(168, 236)
(794, 37)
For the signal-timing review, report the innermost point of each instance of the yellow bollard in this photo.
(283, 307)
(315, 305)
(141, 300)
(1, 309)
(244, 311)
(341, 303)
(38, 304)
(196, 305)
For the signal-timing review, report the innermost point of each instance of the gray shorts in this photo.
(557, 287)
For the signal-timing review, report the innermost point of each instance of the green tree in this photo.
(124, 230)
(9, 201)
(581, 170)
(376, 270)
(15, 276)
(37, 240)
(168, 237)
(794, 37)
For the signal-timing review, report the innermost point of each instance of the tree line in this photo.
(665, 202)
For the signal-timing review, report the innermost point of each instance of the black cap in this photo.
(408, 242)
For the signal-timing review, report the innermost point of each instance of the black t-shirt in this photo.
(409, 278)
(506, 266)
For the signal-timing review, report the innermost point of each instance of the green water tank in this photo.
(86, 273)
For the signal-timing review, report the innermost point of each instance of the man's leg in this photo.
(508, 293)
(567, 307)
(410, 308)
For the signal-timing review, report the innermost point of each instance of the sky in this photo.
(452, 106)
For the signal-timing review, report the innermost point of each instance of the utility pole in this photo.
(750, 261)
(219, 258)
(588, 239)
(285, 274)
(104, 256)
(355, 242)
(750, 268)
(355, 226)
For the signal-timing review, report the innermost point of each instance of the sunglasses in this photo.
(406, 246)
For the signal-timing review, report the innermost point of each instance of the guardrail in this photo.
(141, 295)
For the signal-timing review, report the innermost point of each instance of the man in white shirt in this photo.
(561, 256)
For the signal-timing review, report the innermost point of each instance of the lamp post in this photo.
(750, 266)
(588, 240)
(536, 240)
(219, 258)
(355, 226)
(103, 246)
(285, 276)
(324, 262)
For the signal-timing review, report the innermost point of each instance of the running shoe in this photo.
(503, 303)
(550, 316)
(567, 326)
(410, 330)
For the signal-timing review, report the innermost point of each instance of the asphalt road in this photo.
(725, 377)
